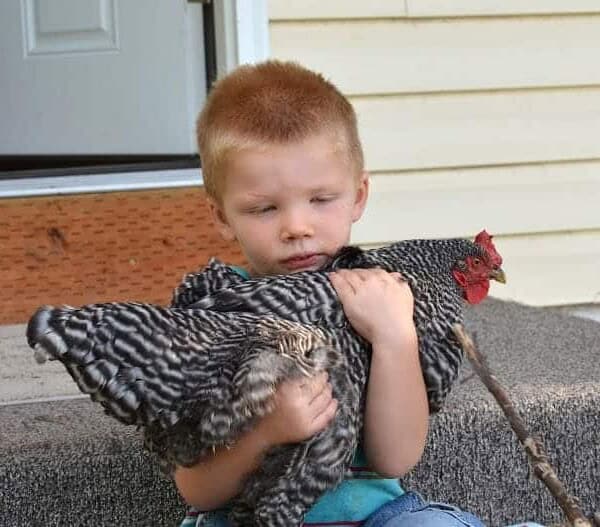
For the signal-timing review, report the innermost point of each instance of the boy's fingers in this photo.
(355, 278)
(325, 417)
(315, 384)
(380, 274)
(321, 400)
(347, 281)
(320, 391)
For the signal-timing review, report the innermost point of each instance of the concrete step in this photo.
(63, 462)
(22, 379)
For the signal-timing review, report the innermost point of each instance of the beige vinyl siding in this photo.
(473, 114)
(479, 128)
(505, 200)
(555, 268)
(348, 9)
(393, 56)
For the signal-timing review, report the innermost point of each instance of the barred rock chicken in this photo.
(198, 374)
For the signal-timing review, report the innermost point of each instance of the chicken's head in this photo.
(474, 272)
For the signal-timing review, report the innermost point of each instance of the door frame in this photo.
(241, 36)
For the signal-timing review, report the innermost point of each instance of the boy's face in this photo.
(290, 207)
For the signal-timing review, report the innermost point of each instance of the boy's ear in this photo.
(362, 193)
(220, 220)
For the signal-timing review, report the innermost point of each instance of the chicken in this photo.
(199, 373)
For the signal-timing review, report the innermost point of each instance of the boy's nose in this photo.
(296, 226)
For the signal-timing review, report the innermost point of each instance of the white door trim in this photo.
(241, 32)
(242, 36)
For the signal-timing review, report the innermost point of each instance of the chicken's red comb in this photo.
(485, 240)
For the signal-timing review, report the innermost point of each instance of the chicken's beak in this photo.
(498, 275)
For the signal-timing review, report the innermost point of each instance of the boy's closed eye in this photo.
(323, 199)
(262, 209)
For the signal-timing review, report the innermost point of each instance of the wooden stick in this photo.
(533, 446)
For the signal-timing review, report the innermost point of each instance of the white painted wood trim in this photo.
(196, 85)
(252, 30)
(82, 184)
(242, 33)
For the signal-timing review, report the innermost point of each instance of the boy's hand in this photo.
(302, 407)
(378, 304)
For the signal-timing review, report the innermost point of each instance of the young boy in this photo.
(283, 171)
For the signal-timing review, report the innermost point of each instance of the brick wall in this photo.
(89, 248)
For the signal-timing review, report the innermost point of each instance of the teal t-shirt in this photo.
(356, 498)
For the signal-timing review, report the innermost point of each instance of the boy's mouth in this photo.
(304, 261)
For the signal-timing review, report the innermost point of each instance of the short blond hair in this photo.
(272, 102)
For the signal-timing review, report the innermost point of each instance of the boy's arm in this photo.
(397, 412)
(215, 480)
(302, 407)
(380, 307)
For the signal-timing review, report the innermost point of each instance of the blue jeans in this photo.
(410, 510)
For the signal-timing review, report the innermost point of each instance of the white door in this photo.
(84, 77)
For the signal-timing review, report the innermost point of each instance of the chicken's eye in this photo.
(476, 261)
